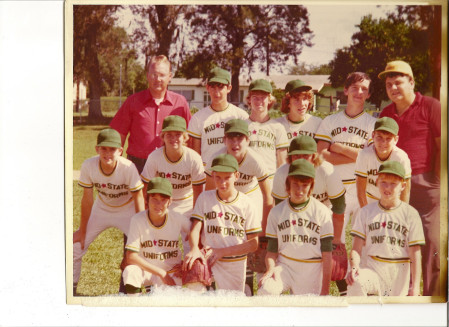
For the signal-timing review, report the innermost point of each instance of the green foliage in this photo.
(375, 43)
(237, 36)
(305, 69)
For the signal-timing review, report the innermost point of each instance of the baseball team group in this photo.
(235, 200)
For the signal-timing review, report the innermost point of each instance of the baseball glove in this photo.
(339, 262)
(256, 260)
(200, 273)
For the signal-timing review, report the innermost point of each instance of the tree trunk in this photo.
(95, 114)
(77, 103)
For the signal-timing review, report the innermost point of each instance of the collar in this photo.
(168, 98)
(415, 104)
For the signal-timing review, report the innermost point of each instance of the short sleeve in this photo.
(334, 184)
(271, 231)
(278, 191)
(360, 165)
(85, 175)
(195, 128)
(134, 181)
(281, 137)
(133, 243)
(358, 228)
(416, 233)
(251, 224)
(435, 117)
(324, 133)
(198, 175)
(198, 212)
(327, 228)
(149, 171)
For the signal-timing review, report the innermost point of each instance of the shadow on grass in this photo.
(83, 121)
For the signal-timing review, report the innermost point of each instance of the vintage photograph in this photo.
(256, 154)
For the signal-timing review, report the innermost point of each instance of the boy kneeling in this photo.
(300, 233)
(152, 251)
(391, 232)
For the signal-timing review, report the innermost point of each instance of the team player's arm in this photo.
(414, 253)
(281, 157)
(210, 184)
(194, 239)
(139, 202)
(326, 256)
(405, 194)
(361, 190)
(86, 207)
(197, 190)
(323, 148)
(345, 150)
(270, 260)
(133, 258)
(250, 245)
(267, 203)
(354, 259)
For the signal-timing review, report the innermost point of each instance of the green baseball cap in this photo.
(219, 75)
(174, 123)
(160, 185)
(260, 85)
(387, 124)
(397, 66)
(225, 163)
(301, 167)
(297, 85)
(302, 144)
(109, 137)
(236, 126)
(392, 167)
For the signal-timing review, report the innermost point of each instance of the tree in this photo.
(238, 36)
(426, 19)
(89, 21)
(305, 69)
(378, 41)
(165, 24)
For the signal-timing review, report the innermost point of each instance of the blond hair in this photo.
(160, 59)
(285, 105)
(184, 134)
(272, 100)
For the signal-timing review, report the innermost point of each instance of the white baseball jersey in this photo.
(388, 233)
(351, 131)
(157, 245)
(308, 126)
(225, 224)
(327, 185)
(252, 171)
(368, 163)
(182, 174)
(299, 232)
(265, 138)
(208, 125)
(113, 189)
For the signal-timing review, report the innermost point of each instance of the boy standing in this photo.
(206, 126)
(385, 137)
(341, 136)
(391, 232)
(152, 251)
(226, 220)
(300, 236)
(119, 195)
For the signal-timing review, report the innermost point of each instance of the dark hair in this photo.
(394, 74)
(357, 77)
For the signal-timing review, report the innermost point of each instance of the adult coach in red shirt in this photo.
(419, 120)
(142, 114)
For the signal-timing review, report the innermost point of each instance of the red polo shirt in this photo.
(142, 118)
(419, 125)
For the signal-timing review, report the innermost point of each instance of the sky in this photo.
(332, 25)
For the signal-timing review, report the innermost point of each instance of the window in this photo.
(206, 98)
(188, 94)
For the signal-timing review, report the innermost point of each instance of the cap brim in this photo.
(388, 171)
(300, 174)
(387, 130)
(300, 152)
(218, 80)
(301, 89)
(158, 191)
(173, 129)
(110, 144)
(223, 169)
(239, 131)
(260, 89)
